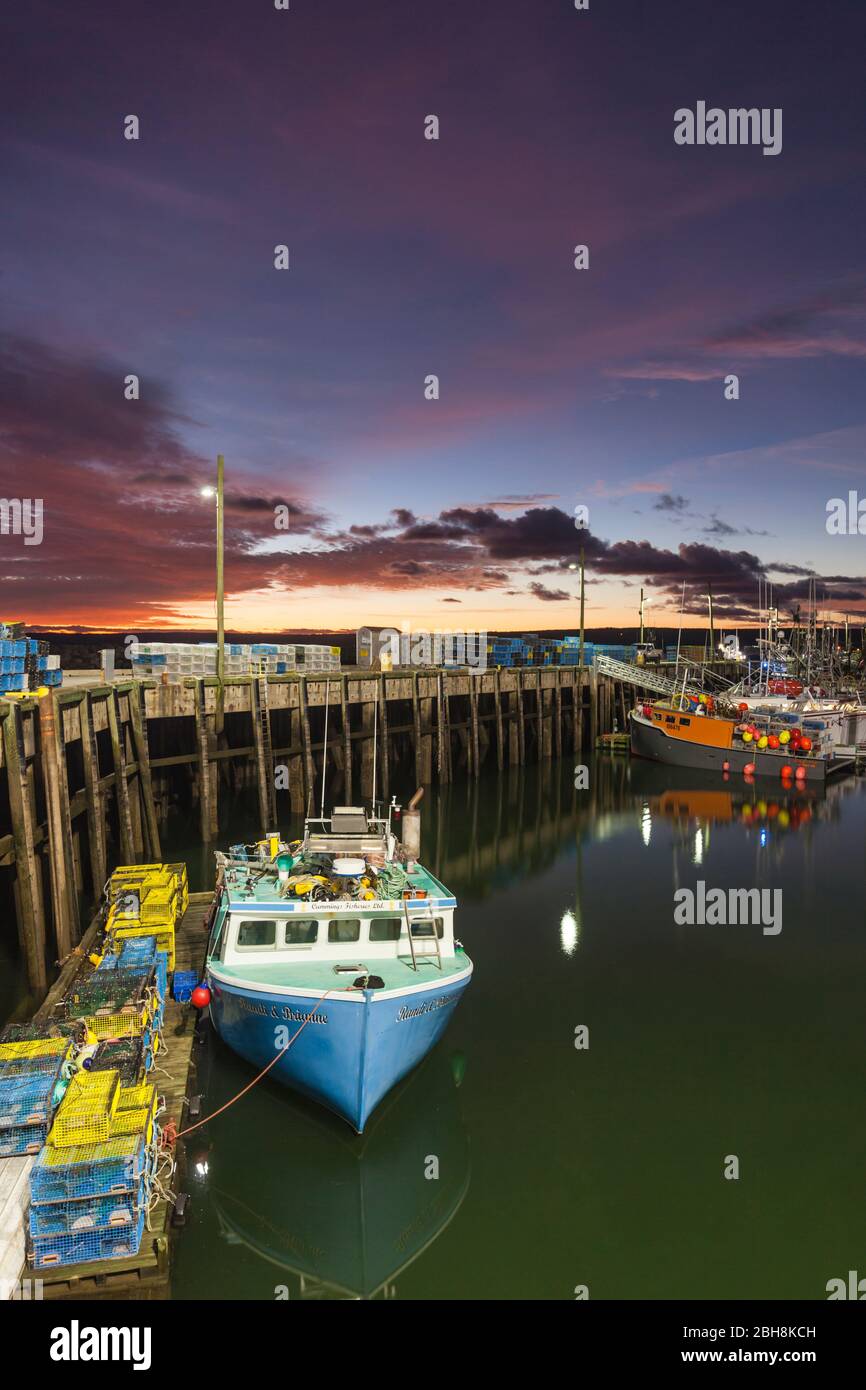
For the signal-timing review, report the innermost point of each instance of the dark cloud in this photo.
(670, 502)
(546, 595)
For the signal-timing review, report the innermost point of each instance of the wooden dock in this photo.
(147, 1274)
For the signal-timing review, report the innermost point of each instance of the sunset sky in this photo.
(411, 257)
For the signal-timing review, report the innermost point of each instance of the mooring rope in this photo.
(170, 1132)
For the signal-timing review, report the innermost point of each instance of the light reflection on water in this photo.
(603, 1165)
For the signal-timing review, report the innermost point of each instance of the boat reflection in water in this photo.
(329, 1214)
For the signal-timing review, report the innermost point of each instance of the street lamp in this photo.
(573, 566)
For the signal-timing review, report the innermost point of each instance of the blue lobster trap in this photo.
(85, 1214)
(90, 1170)
(28, 1099)
(22, 1139)
(82, 1247)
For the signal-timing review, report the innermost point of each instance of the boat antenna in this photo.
(325, 744)
(680, 633)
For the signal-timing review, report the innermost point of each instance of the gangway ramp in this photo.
(642, 676)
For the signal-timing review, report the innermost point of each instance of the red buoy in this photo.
(200, 997)
(787, 770)
(749, 770)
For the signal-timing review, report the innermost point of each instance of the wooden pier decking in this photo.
(147, 1274)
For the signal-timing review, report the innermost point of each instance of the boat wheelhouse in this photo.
(337, 955)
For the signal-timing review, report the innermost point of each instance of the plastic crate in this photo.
(22, 1139)
(90, 1170)
(28, 1098)
(185, 981)
(88, 1213)
(84, 1247)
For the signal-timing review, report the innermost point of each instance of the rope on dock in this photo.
(170, 1132)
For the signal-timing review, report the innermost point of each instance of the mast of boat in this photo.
(680, 632)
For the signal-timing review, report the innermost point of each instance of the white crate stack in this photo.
(180, 659)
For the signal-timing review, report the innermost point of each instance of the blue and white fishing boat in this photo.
(337, 953)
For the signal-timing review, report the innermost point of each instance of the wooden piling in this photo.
(142, 757)
(307, 744)
(64, 899)
(347, 739)
(473, 716)
(207, 801)
(384, 755)
(121, 785)
(500, 742)
(416, 728)
(96, 839)
(27, 868)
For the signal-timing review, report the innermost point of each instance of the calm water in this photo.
(558, 1166)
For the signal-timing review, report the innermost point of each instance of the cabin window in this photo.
(671, 719)
(386, 928)
(301, 932)
(344, 929)
(256, 933)
(425, 928)
(685, 722)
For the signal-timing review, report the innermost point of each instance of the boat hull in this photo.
(350, 1048)
(648, 740)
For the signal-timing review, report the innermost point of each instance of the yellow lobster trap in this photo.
(86, 1111)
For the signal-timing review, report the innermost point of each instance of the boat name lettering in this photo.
(426, 1008)
(255, 1006)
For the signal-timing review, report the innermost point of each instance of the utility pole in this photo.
(220, 572)
(712, 628)
(582, 603)
(641, 616)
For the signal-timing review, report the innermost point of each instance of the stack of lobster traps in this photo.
(145, 902)
(32, 1068)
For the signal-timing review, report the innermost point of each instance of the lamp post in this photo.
(582, 601)
(219, 494)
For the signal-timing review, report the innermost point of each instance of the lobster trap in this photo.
(82, 1247)
(28, 1098)
(87, 1110)
(90, 1170)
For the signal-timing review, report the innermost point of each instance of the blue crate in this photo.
(183, 985)
(28, 1099)
(22, 1139)
(82, 1247)
(88, 1213)
(83, 1174)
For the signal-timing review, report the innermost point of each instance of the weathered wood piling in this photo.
(87, 772)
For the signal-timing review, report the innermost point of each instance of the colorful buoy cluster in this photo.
(787, 817)
(792, 741)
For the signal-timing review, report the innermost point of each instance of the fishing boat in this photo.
(337, 954)
(776, 743)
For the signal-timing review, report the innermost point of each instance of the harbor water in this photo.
(625, 1106)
